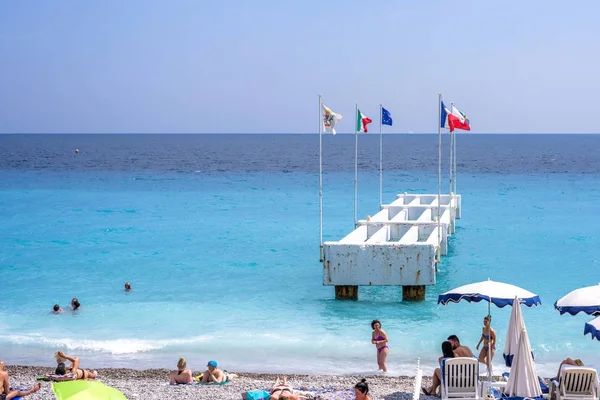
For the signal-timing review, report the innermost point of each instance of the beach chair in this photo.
(576, 383)
(460, 378)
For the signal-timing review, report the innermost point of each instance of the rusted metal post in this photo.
(413, 293)
(346, 292)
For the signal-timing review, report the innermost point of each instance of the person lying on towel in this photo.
(5, 392)
(181, 375)
(285, 391)
(72, 372)
(214, 375)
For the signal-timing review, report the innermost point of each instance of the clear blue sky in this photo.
(258, 66)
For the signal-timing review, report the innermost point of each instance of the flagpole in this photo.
(320, 180)
(454, 164)
(450, 167)
(439, 173)
(451, 192)
(380, 156)
(355, 163)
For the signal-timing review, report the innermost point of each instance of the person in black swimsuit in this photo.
(181, 375)
(62, 369)
(5, 392)
(283, 391)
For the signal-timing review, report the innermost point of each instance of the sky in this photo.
(181, 66)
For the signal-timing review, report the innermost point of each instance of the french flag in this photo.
(458, 120)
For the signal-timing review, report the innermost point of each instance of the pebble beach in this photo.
(151, 384)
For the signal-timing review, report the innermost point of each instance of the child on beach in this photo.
(5, 392)
(182, 375)
(379, 339)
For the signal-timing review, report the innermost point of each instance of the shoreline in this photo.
(151, 384)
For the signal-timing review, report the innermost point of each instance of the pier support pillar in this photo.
(413, 293)
(346, 292)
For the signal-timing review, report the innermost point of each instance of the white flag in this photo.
(329, 119)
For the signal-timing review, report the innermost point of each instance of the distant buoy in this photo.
(76, 150)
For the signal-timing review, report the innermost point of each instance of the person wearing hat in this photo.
(213, 374)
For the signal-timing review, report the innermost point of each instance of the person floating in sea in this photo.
(127, 287)
(5, 392)
(488, 337)
(56, 310)
(73, 372)
(75, 304)
(379, 339)
(181, 375)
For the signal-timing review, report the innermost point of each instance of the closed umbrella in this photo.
(515, 326)
(85, 390)
(523, 380)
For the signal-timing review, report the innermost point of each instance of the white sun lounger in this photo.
(576, 383)
(460, 378)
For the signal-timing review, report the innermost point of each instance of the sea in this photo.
(219, 237)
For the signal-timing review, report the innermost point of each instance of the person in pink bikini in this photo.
(379, 339)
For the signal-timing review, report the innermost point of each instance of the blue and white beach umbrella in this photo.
(593, 328)
(586, 300)
(497, 293)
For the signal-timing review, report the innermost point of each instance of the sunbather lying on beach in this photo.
(5, 392)
(182, 375)
(77, 373)
(214, 375)
(284, 391)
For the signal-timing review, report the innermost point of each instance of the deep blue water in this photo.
(218, 235)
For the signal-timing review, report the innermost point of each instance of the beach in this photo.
(151, 384)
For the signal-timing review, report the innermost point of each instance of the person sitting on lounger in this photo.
(459, 349)
(436, 379)
(73, 372)
(5, 392)
(182, 375)
(566, 364)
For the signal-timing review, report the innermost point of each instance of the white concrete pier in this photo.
(397, 246)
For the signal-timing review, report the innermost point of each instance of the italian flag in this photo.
(362, 121)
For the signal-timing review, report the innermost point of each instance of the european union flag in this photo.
(386, 117)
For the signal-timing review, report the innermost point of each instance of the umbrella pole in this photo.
(489, 353)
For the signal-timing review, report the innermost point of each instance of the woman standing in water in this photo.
(488, 337)
(379, 339)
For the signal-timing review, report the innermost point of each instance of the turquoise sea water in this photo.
(224, 266)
